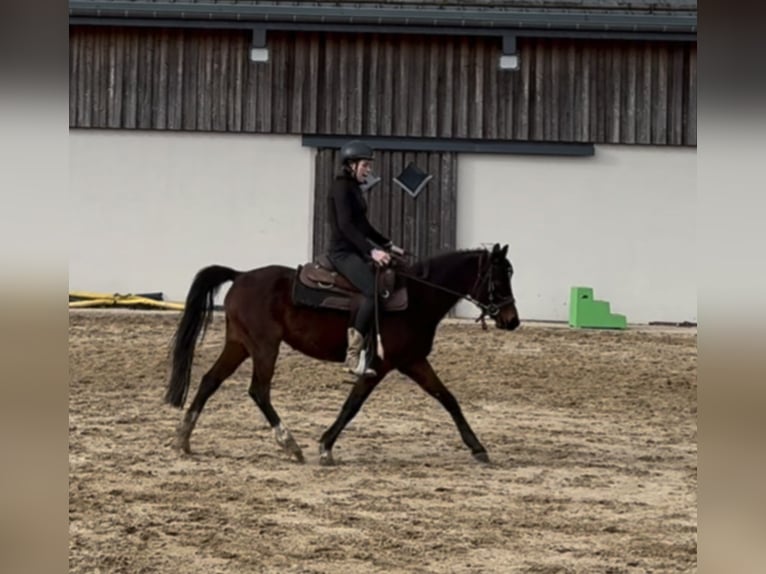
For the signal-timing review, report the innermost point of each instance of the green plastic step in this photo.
(587, 312)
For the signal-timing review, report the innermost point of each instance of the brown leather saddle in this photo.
(320, 285)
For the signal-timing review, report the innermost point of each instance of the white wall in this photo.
(149, 209)
(622, 222)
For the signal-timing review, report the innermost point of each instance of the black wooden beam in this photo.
(456, 145)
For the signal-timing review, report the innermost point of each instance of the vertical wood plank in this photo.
(386, 125)
(264, 73)
(552, 88)
(523, 92)
(371, 87)
(75, 40)
(491, 111)
(434, 198)
(567, 108)
(644, 93)
(97, 103)
(118, 75)
(690, 135)
(401, 99)
(416, 78)
(384, 194)
(463, 80)
(130, 100)
(299, 54)
(409, 210)
(676, 96)
(160, 81)
(86, 86)
(278, 84)
(448, 201)
(476, 93)
(629, 102)
(421, 209)
(191, 49)
(342, 87)
(236, 87)
(507, 94)
(446, 91)
(614, 82)
(312, 89)
(175, 81)
(431, 93)
(538, 106)
(203, 84)
(228, 73)
(593, 98)
(359, 57)
(146, 74)
(660, 98)
(327, 82)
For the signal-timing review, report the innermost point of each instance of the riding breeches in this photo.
(362, 276)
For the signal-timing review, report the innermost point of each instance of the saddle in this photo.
(318, 284)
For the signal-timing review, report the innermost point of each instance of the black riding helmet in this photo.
(354, 151)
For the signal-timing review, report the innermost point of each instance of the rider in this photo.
(354, 243)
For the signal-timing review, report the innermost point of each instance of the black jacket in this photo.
(350, 228)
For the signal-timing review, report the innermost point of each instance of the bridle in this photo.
(491, 308)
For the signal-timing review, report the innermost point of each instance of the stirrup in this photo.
(361, 370)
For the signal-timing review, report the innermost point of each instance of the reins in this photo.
(490, 309)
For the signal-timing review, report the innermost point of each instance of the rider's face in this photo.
(362, 169)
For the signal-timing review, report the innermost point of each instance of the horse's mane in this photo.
(425, 268)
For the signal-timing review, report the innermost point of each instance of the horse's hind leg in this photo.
(423, 374)
(231, 357)
(264, 359)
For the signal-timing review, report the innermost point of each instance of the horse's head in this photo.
(495, 291)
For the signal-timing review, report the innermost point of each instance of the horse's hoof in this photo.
(299, 457)
(481, 456)
(182, 445)
(325, 457)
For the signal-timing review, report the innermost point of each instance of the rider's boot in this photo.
(356, 355)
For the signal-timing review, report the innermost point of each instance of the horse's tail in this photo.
(196, 318)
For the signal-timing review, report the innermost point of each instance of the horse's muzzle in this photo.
(507, 325)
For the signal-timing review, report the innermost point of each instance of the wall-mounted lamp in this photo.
(509, 59)
(259, 52)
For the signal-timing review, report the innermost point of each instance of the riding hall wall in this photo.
(622, 221)
(140, 98)
(149, 208)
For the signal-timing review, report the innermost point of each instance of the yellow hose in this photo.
(91, 300)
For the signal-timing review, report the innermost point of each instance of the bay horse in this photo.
(260, 313)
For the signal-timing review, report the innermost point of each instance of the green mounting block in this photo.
(585, 312)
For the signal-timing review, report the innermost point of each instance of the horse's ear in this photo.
(504, 252)
(496, 248)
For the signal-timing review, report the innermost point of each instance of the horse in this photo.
(261, 312)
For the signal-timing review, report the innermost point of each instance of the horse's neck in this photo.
(457, 278)
(462, 275)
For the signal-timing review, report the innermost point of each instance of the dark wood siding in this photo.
(566, 90)
(424, 225)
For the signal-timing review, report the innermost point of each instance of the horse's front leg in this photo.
(359, 393)
(423, 374)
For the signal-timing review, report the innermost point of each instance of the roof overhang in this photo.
(447, 20)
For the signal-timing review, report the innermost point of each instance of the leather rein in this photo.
(491, 308)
